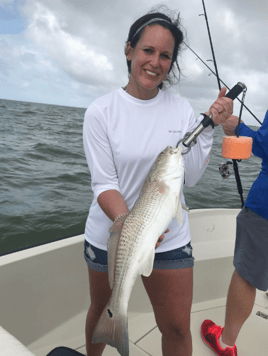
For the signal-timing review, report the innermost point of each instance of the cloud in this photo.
(9, 57)
(80, 59)
(16, 57)
(74, 50)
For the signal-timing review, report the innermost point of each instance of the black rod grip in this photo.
(236, 90)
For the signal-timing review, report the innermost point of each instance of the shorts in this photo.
(175, 259)
(251, 248)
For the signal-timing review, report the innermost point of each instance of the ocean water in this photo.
(45, 191)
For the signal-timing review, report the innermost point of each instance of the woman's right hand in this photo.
(161, 238)
(222, 108)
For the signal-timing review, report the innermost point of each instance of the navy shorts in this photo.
(251, 248)
(175, 259)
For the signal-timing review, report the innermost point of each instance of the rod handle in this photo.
(232, 94)
(236, 90)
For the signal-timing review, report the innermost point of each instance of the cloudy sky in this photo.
(69, 52)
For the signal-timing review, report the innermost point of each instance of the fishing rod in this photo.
(212, 50)
(231, 146)
(189, 139)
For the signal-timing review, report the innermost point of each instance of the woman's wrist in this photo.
(113, 204)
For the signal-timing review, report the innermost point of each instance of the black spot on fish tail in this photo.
(110, 313)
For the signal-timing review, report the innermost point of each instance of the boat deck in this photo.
(145, 338)
(44, 294)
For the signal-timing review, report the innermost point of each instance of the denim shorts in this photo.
(251, 246)
(175, 259)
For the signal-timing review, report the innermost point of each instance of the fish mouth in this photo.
(174, 150)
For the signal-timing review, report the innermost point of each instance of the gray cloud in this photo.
(80, 44)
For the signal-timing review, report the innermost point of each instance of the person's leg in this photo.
(250, 264)
(240, 301)
(251, 270)
(100, 293)
(171, 292)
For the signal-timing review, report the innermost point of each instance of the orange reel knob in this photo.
(237, 147)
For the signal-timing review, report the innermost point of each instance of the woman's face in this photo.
(150, 61)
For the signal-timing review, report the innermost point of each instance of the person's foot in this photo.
(210, 333)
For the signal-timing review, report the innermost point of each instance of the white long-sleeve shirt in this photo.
(122, 137)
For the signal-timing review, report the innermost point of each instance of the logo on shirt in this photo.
(174, 131)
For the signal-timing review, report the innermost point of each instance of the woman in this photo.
(124, 132)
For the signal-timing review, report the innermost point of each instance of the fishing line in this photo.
(221, 81)
(235, 165)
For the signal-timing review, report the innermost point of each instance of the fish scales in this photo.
(131, 247)
(137, 224)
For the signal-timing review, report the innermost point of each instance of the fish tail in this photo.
(112, 329)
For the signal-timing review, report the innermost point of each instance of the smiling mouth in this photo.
(151, 73)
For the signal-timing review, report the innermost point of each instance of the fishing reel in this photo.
(226, 169)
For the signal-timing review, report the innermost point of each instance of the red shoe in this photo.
(210, 333)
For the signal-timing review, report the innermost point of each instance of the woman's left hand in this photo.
(222, 108)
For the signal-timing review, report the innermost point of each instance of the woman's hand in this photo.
(161, 238)
(229, 125)
(221, 109)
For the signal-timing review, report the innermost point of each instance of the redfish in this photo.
(131, 246)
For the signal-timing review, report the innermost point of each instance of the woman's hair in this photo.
(155, 17)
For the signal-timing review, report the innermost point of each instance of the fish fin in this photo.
(147, 265)
(112, 329)
(179, 214)
(115, 232)
(184, 207)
